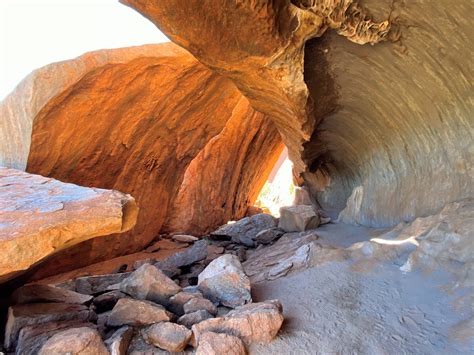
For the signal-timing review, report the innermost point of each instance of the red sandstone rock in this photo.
(216, 344)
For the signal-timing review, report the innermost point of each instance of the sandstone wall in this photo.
(385, 128)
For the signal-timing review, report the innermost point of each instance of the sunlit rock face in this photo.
(381, 132)
(133, 120)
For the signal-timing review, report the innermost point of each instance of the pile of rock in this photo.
(142, 312)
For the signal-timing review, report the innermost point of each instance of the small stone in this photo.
(197, 304)
(177, 302)
(216, 344)
(168, 336)
(224, 281)
(185, 257)
(106, 301)
(75, 341)
(268, 236)
(298, 218)
(184, 238)
(325, 220)
(137, 313)
(188, 320)
(244, 231)
(255, 322)
(22, 315)
(35, 293)
(90, 285)
(119, 341)
(149, 283)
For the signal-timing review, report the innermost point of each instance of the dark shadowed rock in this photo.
(137, 313)
(197, 304)
(255, 322)
(32, 338)
(119, 341)
(149, 283)
(75, 341)
(35, 293)
(187, 256)
(244, 231)
(138, 346)
(298, 218)
(167, 336)
(20, 316)
(188, 320)
(90, 285)
(216, 344)
(106, 301)
(268, 236)
(224, 281)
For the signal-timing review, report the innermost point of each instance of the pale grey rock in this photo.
(119, 341)
(75, 341)
(224, 281)
(244, 231)
(149, 283)
(137, 313)
(185, 257)
(184, 238)
(167, 336)
(298, 218)
(268, 236)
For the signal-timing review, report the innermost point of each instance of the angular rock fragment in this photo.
(106, 301)
(224, 281)
(197, 304)
(138, 346)
(20, 316)
(75, 341)
(298, 218)
(31, 338)
(40, 216)
(167, 336)
(255, 322)
(188, 320)
(188, 256)
(268, 236)
(119, 341)
(184, 238)
(212, 343)
(91, 285)
(244, 231)
(177, 302)
(149, 283)
(137, 313)
(35, 293)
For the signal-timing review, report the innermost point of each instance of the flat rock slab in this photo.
(137, 313)
(35, 293)
(40, 216)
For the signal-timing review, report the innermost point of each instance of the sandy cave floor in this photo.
(332, 309)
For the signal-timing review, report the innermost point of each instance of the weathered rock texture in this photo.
(40, 216)
(134, 119)
(386, 129)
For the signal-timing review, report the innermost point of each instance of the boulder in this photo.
(149, 283)
(298, 218)
(197, 304)
(75, 341)
(185, 257)
(31, 338)
(212, 343)
(91, 285)
(106, 301)
(224, 281)
(167, 336)
(189, 319)
(244, 231)
(23, 315)
(184, 238)
(255, 322)
(119, 341)
(137, 313)
(268, 236)
(35, 293)
(41, 216)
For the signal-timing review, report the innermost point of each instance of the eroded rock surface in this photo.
(75, 341)
(40, 216)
